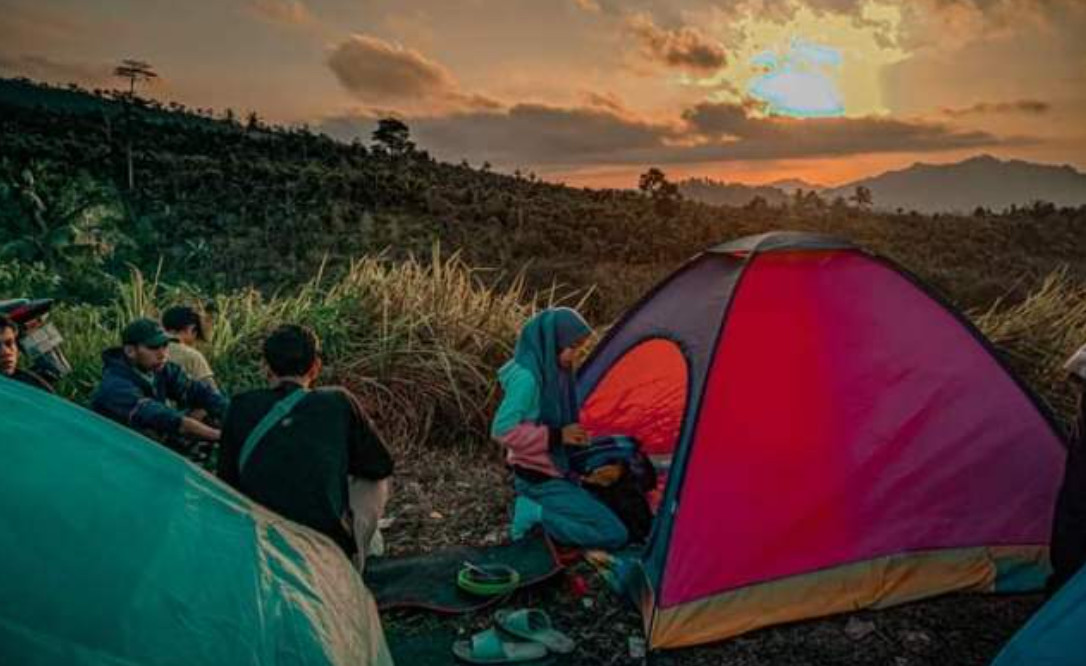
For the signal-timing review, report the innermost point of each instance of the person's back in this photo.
(299, 469)
(304, 463)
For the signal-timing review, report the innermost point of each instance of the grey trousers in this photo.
(368, 500)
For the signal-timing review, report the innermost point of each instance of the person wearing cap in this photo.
(9, 356)
(188, 327)
(1068, 551)
(139, 383)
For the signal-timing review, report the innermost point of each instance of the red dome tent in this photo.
(837, 439)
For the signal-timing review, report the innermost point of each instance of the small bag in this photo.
(615, 449)
(625, 496)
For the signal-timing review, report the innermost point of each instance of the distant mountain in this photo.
(720, 193)
(790, 185)
(979, 181)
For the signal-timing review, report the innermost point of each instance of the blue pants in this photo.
(572, 516)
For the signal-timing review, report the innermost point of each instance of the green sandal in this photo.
(489, 647)
(534, 625)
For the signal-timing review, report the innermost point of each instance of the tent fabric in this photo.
(642, 397)
(863, 424)
(118, 551)
(875, 583)
(844, 426)
(783, 240)
(1052, 637)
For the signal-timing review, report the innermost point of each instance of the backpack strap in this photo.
(276, 414)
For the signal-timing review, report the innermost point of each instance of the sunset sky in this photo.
(592, 92)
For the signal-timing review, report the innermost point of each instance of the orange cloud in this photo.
(290, 13)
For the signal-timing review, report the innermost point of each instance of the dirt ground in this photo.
(462, 497)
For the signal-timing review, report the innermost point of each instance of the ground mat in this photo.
(429, 580)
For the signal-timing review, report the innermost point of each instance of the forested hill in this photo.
(107, 179)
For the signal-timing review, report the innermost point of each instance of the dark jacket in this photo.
(32, 379)
(128, 398)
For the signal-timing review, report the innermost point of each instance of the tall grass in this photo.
(418, 341)
(1038, 334)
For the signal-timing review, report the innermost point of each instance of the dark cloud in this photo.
(1027, 106)
(376, 71)
(682, 47)
(540, 136)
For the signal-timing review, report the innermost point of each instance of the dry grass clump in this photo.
(1038, 334)
(419, 341)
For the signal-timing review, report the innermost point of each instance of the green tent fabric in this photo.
(115, 551)
(1052, 637)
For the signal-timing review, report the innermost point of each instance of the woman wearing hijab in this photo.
(536, 421)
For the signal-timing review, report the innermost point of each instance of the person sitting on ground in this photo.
(1068, 552)
(310, 455)
(139, 383)
(536, 421)
(187, 326)
(9, 356)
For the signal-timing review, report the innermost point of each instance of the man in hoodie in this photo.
(143, 390)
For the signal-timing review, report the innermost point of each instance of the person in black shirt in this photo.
(9, 356)
(1068, 552)
(310, 455)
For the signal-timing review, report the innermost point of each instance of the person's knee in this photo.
(613, 534)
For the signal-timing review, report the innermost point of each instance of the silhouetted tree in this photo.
(393, 136)
(862, 196)
(664, 194)
(135, 71)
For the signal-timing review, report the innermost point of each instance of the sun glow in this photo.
(816, 64)
(799, 82)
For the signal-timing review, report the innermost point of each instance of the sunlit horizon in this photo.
(593, 92)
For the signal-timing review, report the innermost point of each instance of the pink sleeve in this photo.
(528, 446)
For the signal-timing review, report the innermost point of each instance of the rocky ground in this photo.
(447, 497)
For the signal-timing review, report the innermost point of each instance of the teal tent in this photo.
(113, 550)
(1055, 635)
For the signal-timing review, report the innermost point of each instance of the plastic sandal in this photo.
(489, 647)
(534, 625)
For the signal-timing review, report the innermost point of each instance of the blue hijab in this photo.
(540, 342)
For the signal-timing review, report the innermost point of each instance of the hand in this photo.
(603, 476)
(574, 435)
(197, 430)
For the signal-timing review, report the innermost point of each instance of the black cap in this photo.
(146, 332)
